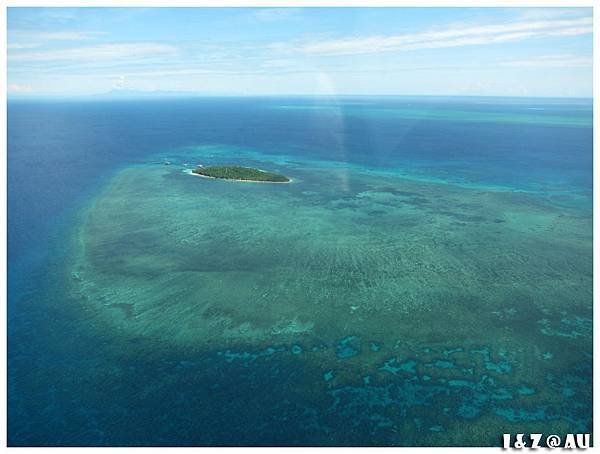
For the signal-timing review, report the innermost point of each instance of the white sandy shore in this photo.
(190, 172)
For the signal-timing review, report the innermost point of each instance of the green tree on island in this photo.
(240, 173)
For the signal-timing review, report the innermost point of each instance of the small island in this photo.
(239, 173)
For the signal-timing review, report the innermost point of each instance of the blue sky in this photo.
(265, 51)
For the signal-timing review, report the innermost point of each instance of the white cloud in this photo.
(551, 61)
(30, 40)
(120, 83)
(21, 46)
(19, 88)
(59, 14)
(551, 13)
(275, 14)
(451, 37)
(53, 36)
(99, 52)
(66, 36)
(176, 72)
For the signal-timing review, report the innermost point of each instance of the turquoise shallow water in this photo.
(363, 303)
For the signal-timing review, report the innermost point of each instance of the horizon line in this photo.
(165, 94)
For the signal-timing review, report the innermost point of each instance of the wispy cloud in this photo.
(445, 38)
(59, 14)
(551, 13)
(21, 46)
(275, 14)
(120, 83)
(101, 52)
(228, 50)
(19, 88)
(551, 61)
(30, 40)
(53, 36)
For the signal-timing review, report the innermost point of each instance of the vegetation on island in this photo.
(240, 173)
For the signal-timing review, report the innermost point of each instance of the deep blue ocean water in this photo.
(67, 386)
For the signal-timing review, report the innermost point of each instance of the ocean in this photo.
(424, 280)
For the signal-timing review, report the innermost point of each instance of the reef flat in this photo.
(412, 306)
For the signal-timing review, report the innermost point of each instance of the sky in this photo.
(301, 51)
